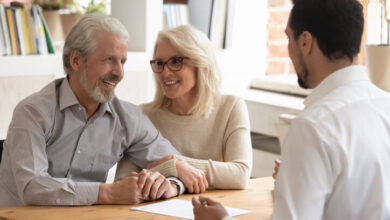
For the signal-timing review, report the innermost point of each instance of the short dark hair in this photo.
(336, 24)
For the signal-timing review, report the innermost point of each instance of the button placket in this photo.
(75, 161)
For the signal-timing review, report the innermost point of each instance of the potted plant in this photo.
(77, 9)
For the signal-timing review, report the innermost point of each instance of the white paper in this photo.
(180, 208)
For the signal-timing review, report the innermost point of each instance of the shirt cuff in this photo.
(86, 193)
(179, 183)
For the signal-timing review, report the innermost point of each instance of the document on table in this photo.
(180, 208)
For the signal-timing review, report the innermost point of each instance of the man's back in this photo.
(336, 158)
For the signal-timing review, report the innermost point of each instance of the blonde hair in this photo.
(190, 42)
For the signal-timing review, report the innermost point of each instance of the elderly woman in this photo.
(210, 130)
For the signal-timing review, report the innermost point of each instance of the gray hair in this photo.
(192, 43)
(81, 36)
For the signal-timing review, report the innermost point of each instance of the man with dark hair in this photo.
(336, 156)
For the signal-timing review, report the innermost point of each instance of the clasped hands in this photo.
(151, 185)
(138, 187)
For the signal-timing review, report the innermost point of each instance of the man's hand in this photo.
(193, 178)
(208, 209)
(154, 186)
(276, 169)
(125, 191)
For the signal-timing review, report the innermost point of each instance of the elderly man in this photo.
(336, 156)
(63, 139)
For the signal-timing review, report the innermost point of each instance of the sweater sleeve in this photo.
(234, 171)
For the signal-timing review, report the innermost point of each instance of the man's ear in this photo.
(76, 60)
(305, 42)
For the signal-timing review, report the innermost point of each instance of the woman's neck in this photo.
(181, 106)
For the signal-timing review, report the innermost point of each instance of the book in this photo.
(20, 35)
(24, 27)
(5, 31)
(2, 41)
(7, 39)
(30, 26)
(48, 37)
(40, 37)
(12, 31)
(26, 31)
(16, 30)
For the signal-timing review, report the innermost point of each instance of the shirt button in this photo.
(58, 201)
(78, 151)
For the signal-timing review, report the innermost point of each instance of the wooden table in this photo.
(257, 198)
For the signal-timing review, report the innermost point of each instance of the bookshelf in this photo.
(23, 30)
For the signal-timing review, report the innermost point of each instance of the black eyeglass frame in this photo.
(166, 63)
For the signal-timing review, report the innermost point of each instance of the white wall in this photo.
(247, 57)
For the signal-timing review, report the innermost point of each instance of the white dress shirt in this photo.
(336, 157)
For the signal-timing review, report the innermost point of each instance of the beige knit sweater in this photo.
(219, 145)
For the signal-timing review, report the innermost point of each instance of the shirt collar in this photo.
(339, 78)
(66, 95)
(67, 98)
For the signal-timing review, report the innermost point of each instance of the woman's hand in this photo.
(193, 178)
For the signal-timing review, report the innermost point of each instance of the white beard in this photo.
(95, 93)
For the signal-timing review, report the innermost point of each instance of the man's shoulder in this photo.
(43, 99)
(342, 100)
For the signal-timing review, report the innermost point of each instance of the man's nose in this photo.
(119, 70)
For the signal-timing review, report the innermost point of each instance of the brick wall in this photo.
(278, 61)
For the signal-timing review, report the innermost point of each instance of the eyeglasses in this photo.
(174, 64)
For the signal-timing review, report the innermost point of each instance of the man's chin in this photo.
(302, 83)
(103, 97)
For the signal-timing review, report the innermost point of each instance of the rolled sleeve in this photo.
(149, 145)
